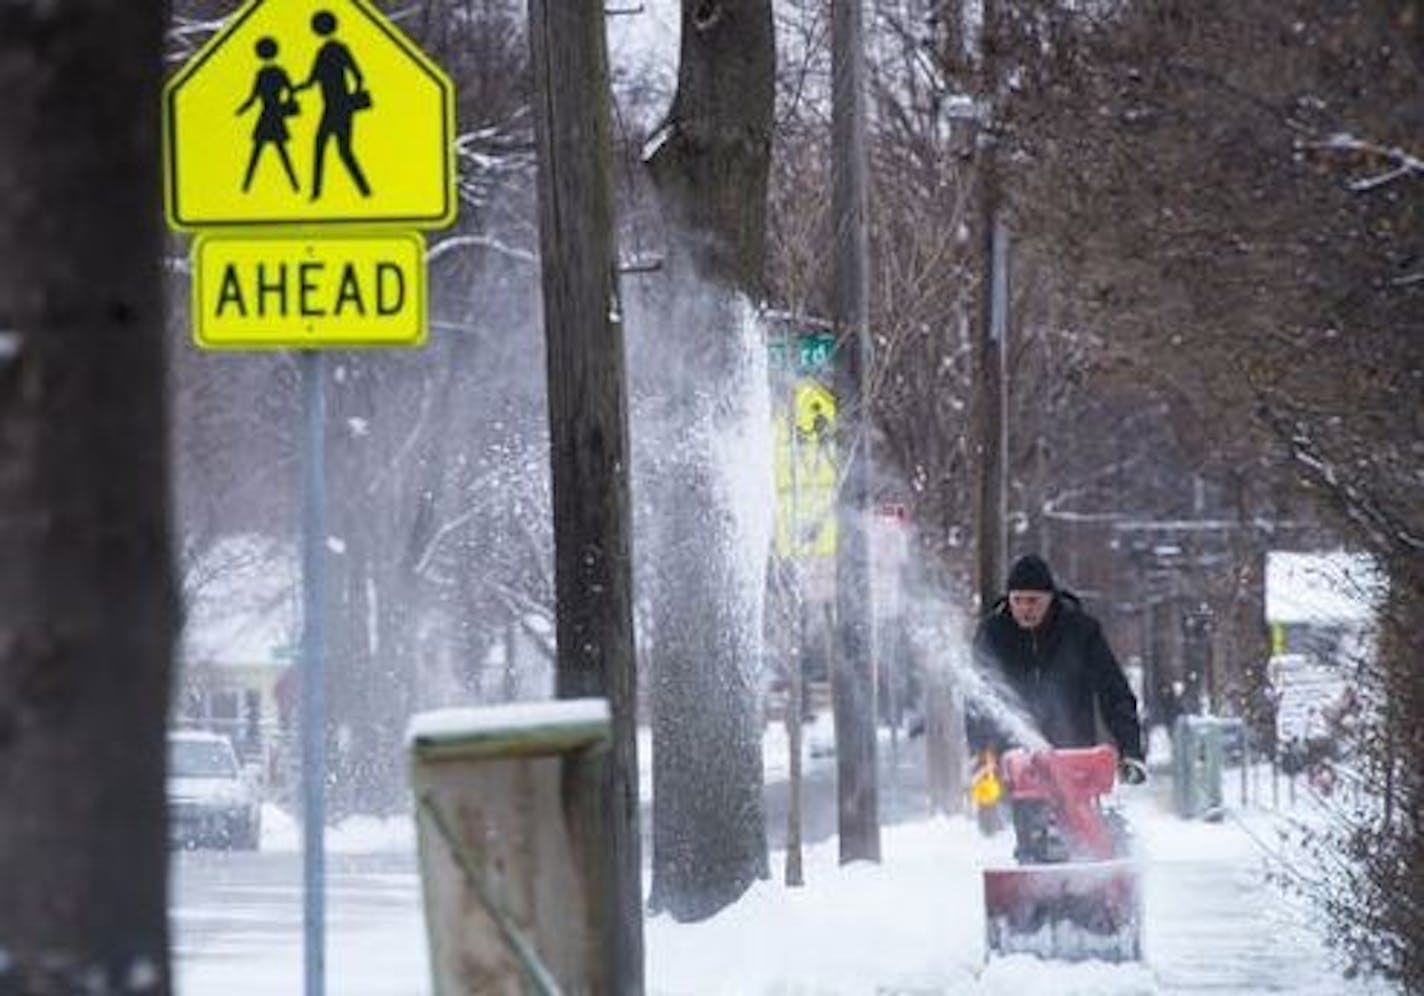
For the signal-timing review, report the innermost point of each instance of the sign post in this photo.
(305, 145)
(313, 685)
(804, 471)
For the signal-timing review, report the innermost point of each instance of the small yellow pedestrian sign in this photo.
(307, 112)
(804, 467)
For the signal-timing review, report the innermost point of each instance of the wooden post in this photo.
(515, 884)
(853, 672)
(945, 745)
(588, 434)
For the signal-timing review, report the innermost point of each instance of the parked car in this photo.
(212, 800)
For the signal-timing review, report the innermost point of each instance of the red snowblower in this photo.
(1074, 894)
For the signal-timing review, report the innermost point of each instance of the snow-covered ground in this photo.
(911, 925)
(914, 924)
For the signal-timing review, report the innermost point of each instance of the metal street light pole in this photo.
(991, 423)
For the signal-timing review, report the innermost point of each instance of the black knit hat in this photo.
(1030, 573)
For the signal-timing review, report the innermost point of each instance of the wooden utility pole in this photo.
(588, 433)
(991, 425)
(853, 677)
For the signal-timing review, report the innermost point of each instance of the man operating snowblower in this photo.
(1073, 894)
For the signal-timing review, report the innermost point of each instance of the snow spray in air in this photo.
(941, 640)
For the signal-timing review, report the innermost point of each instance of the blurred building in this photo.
(240, 641)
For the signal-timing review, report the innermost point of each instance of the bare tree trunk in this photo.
(710, 169)
(87, 602)
(369, 677)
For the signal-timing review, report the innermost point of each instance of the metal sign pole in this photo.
(796, 687)
(313, 671)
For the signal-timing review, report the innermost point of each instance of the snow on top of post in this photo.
(515, 729)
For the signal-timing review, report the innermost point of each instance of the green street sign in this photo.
(814, 352)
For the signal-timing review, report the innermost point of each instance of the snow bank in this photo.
(913, 924)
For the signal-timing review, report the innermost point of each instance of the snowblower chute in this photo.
(1074, 894)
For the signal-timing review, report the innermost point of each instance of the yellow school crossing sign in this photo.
(309, 112)
(804, 467)
(305, 143)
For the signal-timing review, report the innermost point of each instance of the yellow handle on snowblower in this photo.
(985, 789)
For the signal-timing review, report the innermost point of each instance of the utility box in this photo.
(1197, 760)
(515, 865)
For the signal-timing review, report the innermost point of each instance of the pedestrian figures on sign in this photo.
(819, 456)
(332, 69)
(275, 96)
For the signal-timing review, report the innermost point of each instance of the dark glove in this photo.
(1132, 771)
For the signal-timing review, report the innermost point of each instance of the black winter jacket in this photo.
(1059, 672)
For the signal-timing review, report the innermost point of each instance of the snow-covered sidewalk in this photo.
(910, 925)
(914, 925)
